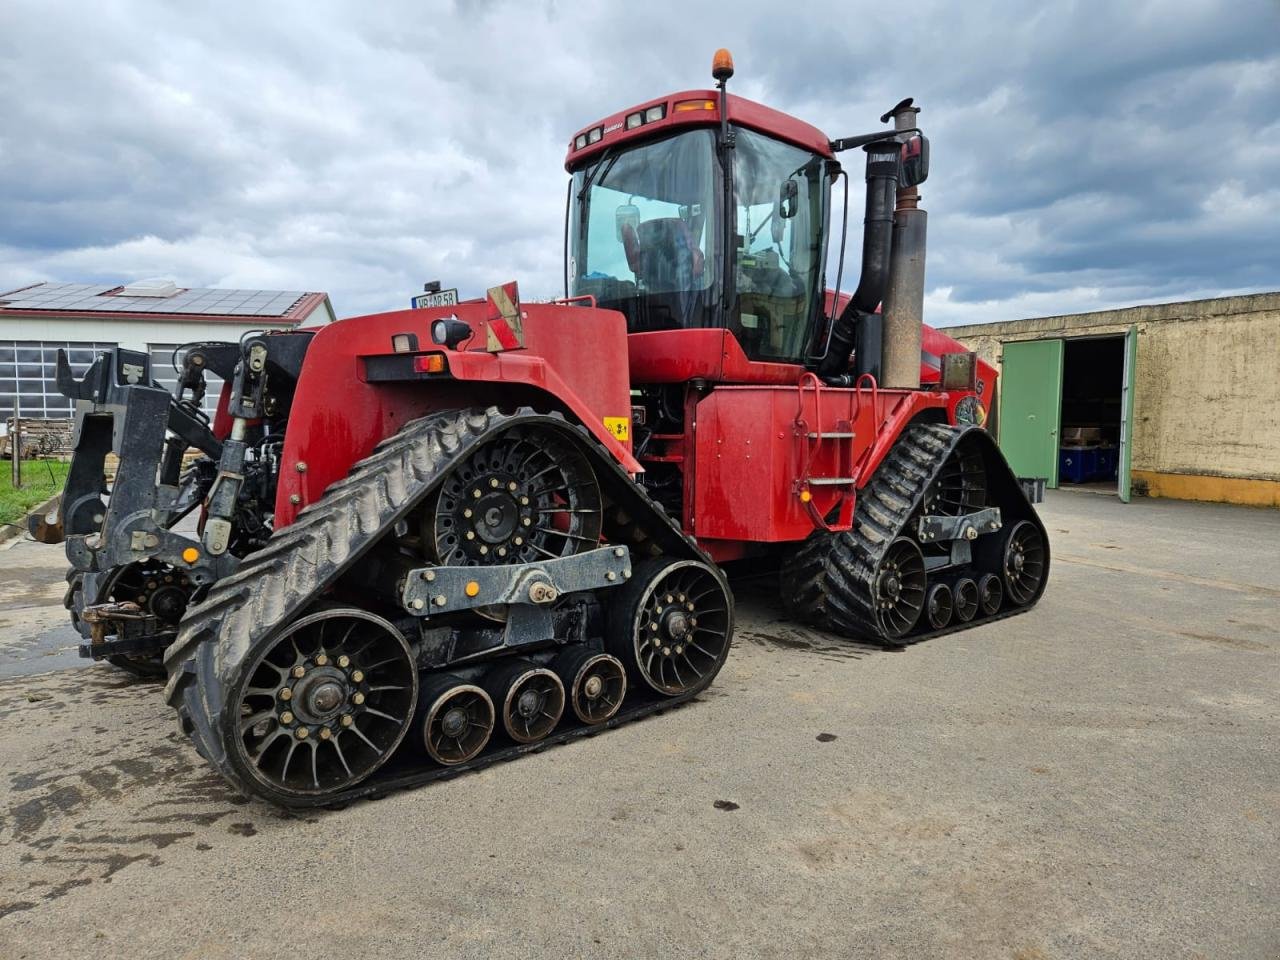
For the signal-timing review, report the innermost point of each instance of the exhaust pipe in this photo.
(904, 299)
(857, 325)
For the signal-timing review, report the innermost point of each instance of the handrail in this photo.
(590, 297)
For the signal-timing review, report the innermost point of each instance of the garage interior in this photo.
(1092, 381)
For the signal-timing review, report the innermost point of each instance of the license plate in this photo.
(441, 298)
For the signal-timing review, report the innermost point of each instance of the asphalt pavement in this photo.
(1096, 778)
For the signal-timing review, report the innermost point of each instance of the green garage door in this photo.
(1031, 407)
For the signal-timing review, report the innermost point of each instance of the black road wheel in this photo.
(457, 721)
(526, 495)
(939, 605)
(900, 588)
(322, 705)
(596, 683)
(1024, 562)
(966, 598)
(672, 624)
(529, 699)
(990, 594)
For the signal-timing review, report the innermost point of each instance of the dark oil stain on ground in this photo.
(791, 637)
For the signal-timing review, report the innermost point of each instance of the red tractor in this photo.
(432, 539)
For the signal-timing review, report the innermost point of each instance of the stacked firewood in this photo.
(40, 438)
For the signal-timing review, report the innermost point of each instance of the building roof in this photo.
(150, 300)
(1176, 312)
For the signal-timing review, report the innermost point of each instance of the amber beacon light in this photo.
(722, 65)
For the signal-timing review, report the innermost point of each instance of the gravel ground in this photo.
(1098, 778)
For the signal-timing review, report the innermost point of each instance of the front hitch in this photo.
(120, 409)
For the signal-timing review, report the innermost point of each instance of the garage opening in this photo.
(1092, 407)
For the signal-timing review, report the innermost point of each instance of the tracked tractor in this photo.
(423, 541)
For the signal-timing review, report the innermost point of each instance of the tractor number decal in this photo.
(620, 427)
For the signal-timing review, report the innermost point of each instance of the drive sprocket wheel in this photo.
(672, 624)
(322, 705)
(960, 486)
(526, 495)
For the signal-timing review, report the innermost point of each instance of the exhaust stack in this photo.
(904, 300)
(857, 321)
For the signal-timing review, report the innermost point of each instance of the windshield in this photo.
(647, 243)
(780, 211)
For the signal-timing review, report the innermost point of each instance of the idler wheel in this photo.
(939, 605)
(671, 624)
(990, 594)
(596, 682)
(530, 699)
(323, 704)
(1024, 562)
(457, 720)
(900, 588)
(966, 599)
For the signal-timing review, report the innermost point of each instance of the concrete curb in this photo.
(12, 531)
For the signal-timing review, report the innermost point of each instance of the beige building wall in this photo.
(1206, 391)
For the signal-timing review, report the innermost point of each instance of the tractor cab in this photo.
(700, 210)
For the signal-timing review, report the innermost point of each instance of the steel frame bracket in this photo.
(966, 526)
(431, 591)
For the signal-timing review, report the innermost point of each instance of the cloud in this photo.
(1084, 155)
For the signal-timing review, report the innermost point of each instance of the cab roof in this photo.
(692, 108)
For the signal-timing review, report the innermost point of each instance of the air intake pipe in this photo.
(857, 325)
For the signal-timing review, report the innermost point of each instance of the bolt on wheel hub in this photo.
(529, 704)
(454, 722)
(677, 625)
(496, 518)
(320, 695)
(326, 697)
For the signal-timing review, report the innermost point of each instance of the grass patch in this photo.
(41, 479)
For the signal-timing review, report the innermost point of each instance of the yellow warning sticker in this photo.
(620, 427)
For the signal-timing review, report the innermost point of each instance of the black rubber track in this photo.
(829, 580)
(300, 562)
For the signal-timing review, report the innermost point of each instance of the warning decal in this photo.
(620, 427)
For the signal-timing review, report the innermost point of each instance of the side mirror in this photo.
(915, 161)
(627, 215)
(788, 193)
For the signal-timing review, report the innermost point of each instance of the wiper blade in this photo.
(589, 179)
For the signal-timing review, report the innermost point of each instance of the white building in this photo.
(152, 315)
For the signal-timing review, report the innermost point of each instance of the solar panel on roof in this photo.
(97, 298)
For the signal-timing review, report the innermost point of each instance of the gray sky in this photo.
(1085, 155)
